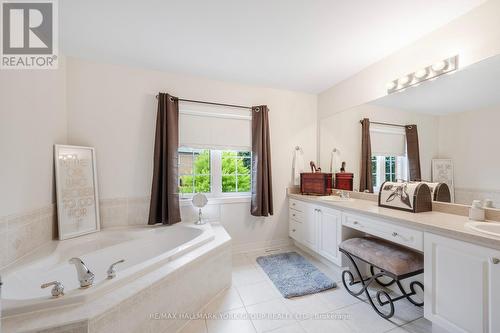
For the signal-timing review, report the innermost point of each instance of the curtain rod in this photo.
(387, 124)
(212, 103)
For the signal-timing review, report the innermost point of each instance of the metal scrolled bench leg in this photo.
(384, 304)
(366, 283)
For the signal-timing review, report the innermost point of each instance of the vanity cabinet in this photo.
(329, 223)
(303, 223)
(462, 285)
(377, 227)
(316, 227)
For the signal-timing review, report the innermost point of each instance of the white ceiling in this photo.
(305, 45)
(470, 89)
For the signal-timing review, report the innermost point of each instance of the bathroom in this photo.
(257, 91)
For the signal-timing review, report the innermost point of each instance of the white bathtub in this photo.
(143, 248)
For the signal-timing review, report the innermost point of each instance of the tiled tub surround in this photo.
(466, 195)
(146, 304)
(121, 212)
(22, 233)
(143, 248)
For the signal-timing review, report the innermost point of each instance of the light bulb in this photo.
(391, 85)
(440, 66)
(422, 73)
(405, 80)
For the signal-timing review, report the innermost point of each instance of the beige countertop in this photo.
(449, 225)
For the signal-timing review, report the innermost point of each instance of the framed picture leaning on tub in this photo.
(76, 189)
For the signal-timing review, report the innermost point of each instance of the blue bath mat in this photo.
(293, 275)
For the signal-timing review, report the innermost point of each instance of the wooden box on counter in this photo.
(316, 183)
(344, 181)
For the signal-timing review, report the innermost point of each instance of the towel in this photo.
(298, 165)
(334, 163)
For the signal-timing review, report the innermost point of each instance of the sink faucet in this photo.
(85, 276)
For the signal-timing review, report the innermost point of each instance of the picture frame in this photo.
(443, 172)
(76, 191)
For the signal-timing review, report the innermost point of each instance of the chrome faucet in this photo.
(111, 272)
(85, 276)
(57, 290)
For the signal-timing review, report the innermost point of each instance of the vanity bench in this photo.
(449, 248)
(391, 260)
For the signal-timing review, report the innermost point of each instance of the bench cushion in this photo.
(388, 256)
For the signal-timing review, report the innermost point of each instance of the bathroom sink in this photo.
(489, 228)
(334, 198)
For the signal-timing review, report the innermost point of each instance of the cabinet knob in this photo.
(293, 204)
(293, 230)
(394, 234)
(293, 214)
(356, 222)
(495, 261)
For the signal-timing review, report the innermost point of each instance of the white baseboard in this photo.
(317, 256)
(261, 245)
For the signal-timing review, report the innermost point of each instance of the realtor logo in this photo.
(29, 34)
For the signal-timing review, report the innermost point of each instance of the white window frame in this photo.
(190, 195)
(401, 170)
(216, 178)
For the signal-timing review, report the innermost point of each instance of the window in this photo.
(215, 172)
(388, 168)
(236, 171)
(194, 171)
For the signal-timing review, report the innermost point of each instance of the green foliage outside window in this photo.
(236, 167)
(195, 173)
(198, 179)
(374, 171)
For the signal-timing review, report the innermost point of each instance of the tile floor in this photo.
(254, 305)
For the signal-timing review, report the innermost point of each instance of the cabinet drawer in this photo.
(296, 215)
(297, 205)
(398, 234)
(295, 229)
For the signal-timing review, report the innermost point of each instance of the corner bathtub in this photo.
(143, 248)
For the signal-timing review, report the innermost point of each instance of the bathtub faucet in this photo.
(85, 276)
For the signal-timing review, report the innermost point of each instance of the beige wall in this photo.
(112, 108)
(473, 36)
(32, 120)
(343, 131)
(471, 140)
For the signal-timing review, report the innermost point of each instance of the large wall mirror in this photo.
(458, 121)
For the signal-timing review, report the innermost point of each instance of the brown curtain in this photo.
(365, 180)
(413, 152)
(164, 206)
(262, 189)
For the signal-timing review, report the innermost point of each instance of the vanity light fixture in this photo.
(421, 74)
(440, 66)
(405, 80)
(391, 85)
(430, 72)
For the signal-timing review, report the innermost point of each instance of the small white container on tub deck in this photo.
(476, 211)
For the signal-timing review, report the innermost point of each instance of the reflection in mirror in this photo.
(457, 117)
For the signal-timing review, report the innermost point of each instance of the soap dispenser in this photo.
(476, 211)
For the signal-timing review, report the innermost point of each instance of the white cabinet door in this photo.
(329, 231)
(494, 280)
(461, 285)
(295, 230)
(309, 227)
